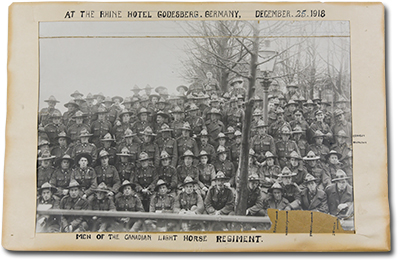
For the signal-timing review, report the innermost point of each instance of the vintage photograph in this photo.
(170, 126)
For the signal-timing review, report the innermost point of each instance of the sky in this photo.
(112, 57)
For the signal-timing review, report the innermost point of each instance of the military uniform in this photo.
(59, 151)
(85, 148)
(151, 148)
(164, 203)
(320, 150)
(126, 171)
(52, 130)
(86, 178)
(146, 178)
(44, 115)
(119, 131)
(99, 128)
(133, 149)
(74, 131)
(300, 172)
(101, 224)
(169, 175)
(279, 205)
(210, 150)
(196, 124)
(291, 192)
(78, 223)
(184, 144)
(44, 175)
(60, 179)
(227, 168)
(48, 224)
(112, 154)
(206, 174)
(262, 144)
(109, 175)
(187, 202)
(284, 148)
(214, 128)
(128, 203)
(169, 144)
(314, 202)
(335, 198)
(183, 171)
(256, 203)
(222, 200)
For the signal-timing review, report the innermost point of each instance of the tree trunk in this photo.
(242, 190)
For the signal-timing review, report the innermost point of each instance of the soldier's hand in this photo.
(94, 217)
(84, 196)
(65, 192)
(217, 212)
(205, 189)
(342, 206)
(125, 220)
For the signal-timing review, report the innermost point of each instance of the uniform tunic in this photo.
(87, 178)
(314, 202)
(76, 222)
(126, 171)
(61, 179)
(256, 202)
(169, 175)
(183, 171)
(169, 144)
(53, 130)
(335, 198)
(187, 202)
(222, 200)
(44, 175)
(109, 175)
(74, 130)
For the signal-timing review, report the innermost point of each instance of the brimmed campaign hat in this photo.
(78, 114)
(84, 155)
(71, 102)
(85, 133)
(331, 152)
(268, 154)
(253, 177)
(188, 153)
(164, 155)
(183, 87)
(318, 133)
(185, 126)
(275, 186)
(341, 133)
(286, 172)
(76, 94)
(62, 134)
(220, 176)
(124, 112)
(47, 186)
(309, 178)
(340, 175)
(129, 133)
(166, 128)
(107, 138)
(102, 187)
(65, 157)
(125, 152)
(311, 156)
(148, 131)
(73, 184)
(204, 153)
(297, 130)
(295, 155)
(188, 180)
(52, 99)
(46, 156)
(221, 150)
(103, 153)
(126, 183)
(143, 156)
(159, 184)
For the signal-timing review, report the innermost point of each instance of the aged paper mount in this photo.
(311, 231)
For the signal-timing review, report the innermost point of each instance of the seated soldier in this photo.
(145, 180)
(62, 175)
(296, 166)
(269, 171)
(340, 196)
(124, 166)
(73, 201)
(129, 201)
(312, 198)
(104, 203)
(85, 175)
(108, 174)
(224, 165)
(276, 199)
(220, 199)
(45, 170)
(187, 168)
(206, 172)
(256, 198)
(315, 168)
(290, 190)
(46, 200)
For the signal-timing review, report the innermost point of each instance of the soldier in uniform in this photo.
(296, 166)
(285, 146)
(222, 142)
(67, 117)
(290, 190)
(74, 201)
(212, 83)
(142, 123)
(161, 118)
(46, 223)
(236, 148)
(85, 175)
(107, 145)
(101, 126)
(150, 147)
(333, 164)
(262, 142)
(224, 165)
(195, 121)
(43, 147)
(122, 124)
(107, 174)
(187, 168)
(320, 125)
(299, 138)
(44, 114)
(63, 146)
(167, 172)
(145, 179)
(340, 196)
(340, 124)
(269, 171)
(290, 107)
(205, 146)
(54, 128)
(276, 199)
(124, 166)
(318, 148)
(75, 129)
(315, 168)
(182, 90)
(214, 126)
(178, 119)
(256, 198)
(308, 111)
(84, 146)
(45, 170)
(128, 142)
(166, 143)
(312, 198)
(162, 202)
(99, 100)
(129, 201)
(299, 121)
(111, 110)
(237, 87)
(91, 110)
(341, 146)
(101, 202)
(62, 175)
(185, 142)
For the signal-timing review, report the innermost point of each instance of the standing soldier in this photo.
(167, 172)
(185, 142)
(84, 146)
(142, 123)
(341, 124)
(124, 166)
(101, 202)
(107, 174)
(318, 147)
(122, 124)
(299, 138)
(315, 168)
(45, 223)
(62, 175)
(195, 121)
(63, 146)
(145, 179)
(262, 142)
(84, 175)
(129, 201)
(150, 147)
(101, 126)
(285, 146)
(99, 100)
(320, 125)
(166, 143)
(291, 91)
(67, 117)
(340, 196)
(44, 114)
(74, 130)
(73, 201)
(45, 170)
(111, 112)
(333, 164)
(54, 128)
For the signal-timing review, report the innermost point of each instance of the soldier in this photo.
(214, 125)
(341, 146)
(312, 198)
(236, 148)
(206, 172)
(178, 119)
(340, 196)
(73, 201)
(150, 147)
(276, 199)
(290, 107)
(219, 199)
(162, 202)
(205, 146)
(299, 138)
(46, 223)
(333, 165)
(107, 142)
(222, 142)
(142, 123)
(224, 165)
(211, 83)
(54, 128)
(187, 168)
(129, 201)
(256, 198)
(84, 175)
(125, 167)
(63, 146)
(43, 147)
(274, 129)
(341, 124)
(291, 91)
(296, 166)
(145, 180)
(84, 146)
(90, 109)
(315, 168)
(269, 172)
(45, 170)
(136, 91)
(185, 142)
(67, 117)
(189, 202)
(101, 202)
(99, 99)
(133, 147)
(285, 146)
(167, 172)
(111, 110)
(308, 111)
(122, 124)
(107, 174)
(161, 118)
(182, 90)
(101, 126)
(195, 121)
(62, 175)
(320, 125)
(166, 143)
(74, 130)
(290, 190)
(299, 121)
(318, 148)
(44, 114)
(262, 142)
(237, 87)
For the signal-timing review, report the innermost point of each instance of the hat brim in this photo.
(86, 155)
(311, 159)
(124, 154)
(224, 178)
(58, 162)
(337, 154)
(52, 189)
(101, 190)
(133, 185)
(340, 179)
(47, 158)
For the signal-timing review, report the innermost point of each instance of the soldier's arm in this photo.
(230, 203)
(152, 206)
(259, 205)
(207, 203)
(93, 184)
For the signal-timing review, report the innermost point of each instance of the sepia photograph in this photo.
(187, 121)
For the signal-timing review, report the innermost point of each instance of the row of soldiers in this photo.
(147, 141)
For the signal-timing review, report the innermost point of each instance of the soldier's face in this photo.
(45, 148)
(294, 162)
(188, 160)
(45, 163)
(56, 120)
(145, 163)
(319, 140)
(46, 194)
(222, 141)
(320, 117)
(270, 161)
(127, 105)
(189, 188)
(312, 163)
(204, 139)
(154, 100)
(106, 144)
(165, 162)
(102, 116)
(129, 140)
(84, 140)
(285, 137)
(219, 184)
(286, 180)
(340, 139)
(185, 133)
(125, 118)
(204, 159)
(238, 139)
(89, 102)
(62, 141)
(341, 185)
(146, 138)
(143, 117)
(51, 104)
(213, 117)
(159, 119)
(83, 162)
(291, 107)
(74, 192)
(79, 120)
(104, 161)
(333, 159)
(222, 157)
(261, 130)
(253, 185)
(127, 190)
(277, 194)
(100, 195)
(177, 116)
(163, 189)
(124, 159)
(312, 186)
(65, 164)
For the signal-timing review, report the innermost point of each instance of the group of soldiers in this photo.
(153, 152)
